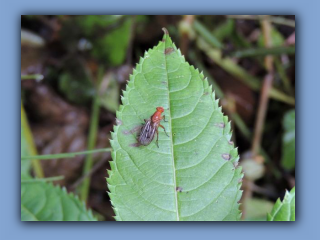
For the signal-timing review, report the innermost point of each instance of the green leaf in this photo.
(75, 83)
(42, 201)
(276, 39)
(285, 210)
(224, 30)
(89, 23)
(107, 37)
(112, 46)
(109, 92)
(288, 141)
(193, 174)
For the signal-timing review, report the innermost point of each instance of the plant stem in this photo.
(254, 52)
(32, 148)
(207, 35)
(276, 20)
(37, 77)
(64, 155)
(131, 37)
(283, 76)
(266, 87)
(262, 109)
(93, 129)
(185, 27)
(49, 179)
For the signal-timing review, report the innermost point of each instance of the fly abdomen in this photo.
(147, 133)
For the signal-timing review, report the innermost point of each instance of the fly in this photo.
(150, 128)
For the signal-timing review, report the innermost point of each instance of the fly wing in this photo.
(147, 133)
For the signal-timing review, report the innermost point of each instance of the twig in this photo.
(265, 91)
(185, 27)
(262, 109)
(247, 194)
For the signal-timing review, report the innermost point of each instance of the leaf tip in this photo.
(165, 31)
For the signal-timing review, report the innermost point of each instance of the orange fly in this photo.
(150, 128)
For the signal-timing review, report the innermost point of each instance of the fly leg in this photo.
(164, 118)
(163, 129)
(157, 142)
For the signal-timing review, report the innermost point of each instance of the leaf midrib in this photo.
(171, 139)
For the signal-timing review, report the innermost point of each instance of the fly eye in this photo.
(160, 109)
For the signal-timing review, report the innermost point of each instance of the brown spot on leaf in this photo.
(168, 50)
(125, 132)
(220, 125)
(206, 93)
(230, 142)
(226, 156)
(179, 189)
